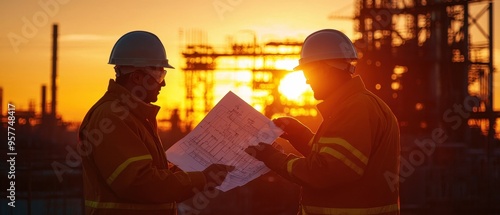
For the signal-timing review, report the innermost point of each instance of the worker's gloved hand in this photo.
(172, 167)
(266, 153)
(216, 173)
(293, 129)
(296, 133)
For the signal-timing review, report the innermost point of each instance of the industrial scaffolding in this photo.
(424, 56)
(261, 61)
(432, 62)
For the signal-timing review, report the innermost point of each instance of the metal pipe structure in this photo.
(54, 71)
(44, 101)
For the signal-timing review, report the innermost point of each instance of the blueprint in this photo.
(221, 137)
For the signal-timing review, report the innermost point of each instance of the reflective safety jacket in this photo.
(353, 162)
(125, 170)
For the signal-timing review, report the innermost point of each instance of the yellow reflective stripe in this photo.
(344, 159)
(346, 145)
(128, 206)
(124, 165)
(348, 211)
(289, 165)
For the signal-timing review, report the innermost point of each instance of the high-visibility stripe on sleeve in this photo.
(349, 211)
(124, 165)
(346, 145)
(289, 165)
(128, 206)
(343, 158)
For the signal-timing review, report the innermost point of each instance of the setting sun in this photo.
(293, 85)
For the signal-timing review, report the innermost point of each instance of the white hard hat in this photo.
(139, 49)
(326, 44)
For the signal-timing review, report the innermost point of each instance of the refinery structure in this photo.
(250, 67)
(430, 61)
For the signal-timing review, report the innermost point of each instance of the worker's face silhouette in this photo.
(318, 78)
(147, 87)
(152, 88)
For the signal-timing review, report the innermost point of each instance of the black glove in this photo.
(216, 173)
(296, 133)
(266, 153)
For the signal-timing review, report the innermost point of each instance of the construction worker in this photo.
(345, 165)
(125, 170)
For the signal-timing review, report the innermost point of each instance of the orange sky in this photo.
(88, 30)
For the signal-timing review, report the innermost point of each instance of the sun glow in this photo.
(293, 85)
(287, 64)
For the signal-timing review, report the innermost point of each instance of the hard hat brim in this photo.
(140, 63)
(297, 68)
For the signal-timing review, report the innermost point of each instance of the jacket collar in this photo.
(353, 86)
(134, 104)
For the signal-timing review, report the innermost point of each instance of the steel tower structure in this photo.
(432, 62)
